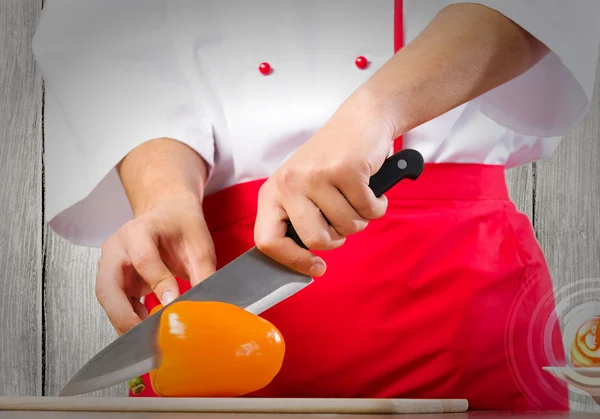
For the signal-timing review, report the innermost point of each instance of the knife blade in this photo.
(253, 281)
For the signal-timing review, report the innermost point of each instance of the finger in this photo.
(135, 286)
(362, 199)
(142, 287)
(308, 221)
(269, 236)
(145, 258)
(109, 288)
(201, 259)
(196, 253)
(310, 224)
(338, 211)
(118, 308)
(139, 308)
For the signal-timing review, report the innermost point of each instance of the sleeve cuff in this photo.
(86, 202)
(114, 79)
(554, 96)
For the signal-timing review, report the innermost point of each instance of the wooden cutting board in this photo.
(234, 405)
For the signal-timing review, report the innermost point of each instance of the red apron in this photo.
(447, 296)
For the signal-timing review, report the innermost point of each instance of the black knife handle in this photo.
(405, 164)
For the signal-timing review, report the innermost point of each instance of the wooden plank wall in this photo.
(567, 221)
(76, 327)
(50, 322)
(20, 202)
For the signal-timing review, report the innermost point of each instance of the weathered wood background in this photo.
(50, 322)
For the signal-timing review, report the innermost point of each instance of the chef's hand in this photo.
(327, 179)
(464, 52)
(167, 237)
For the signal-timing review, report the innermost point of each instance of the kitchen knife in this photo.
(253, 281)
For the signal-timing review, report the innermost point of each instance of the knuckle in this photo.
(364, 168)
(123, 324)
(263, 190)
(337, 168)
(162, 284)
(141, 258)
(379, 212)
(268, 191)
(360, 225)
(135, 228)
(368, 210)
(316, 241)
(336, 244)
(286, 177)
(296, 262)
(380, 209)
(344, 229)
(315, 175)
(119, 326)
(204, 255)
(308, 177)
(350, 227)
(128, 227)
(264, 244)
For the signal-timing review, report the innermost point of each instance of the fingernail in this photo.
(318, 268)
(167, 297)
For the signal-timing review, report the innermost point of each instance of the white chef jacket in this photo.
(118, 73)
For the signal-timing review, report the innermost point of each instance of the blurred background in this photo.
(50, 321)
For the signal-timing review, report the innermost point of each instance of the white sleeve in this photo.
(114, 78)
(554, 96)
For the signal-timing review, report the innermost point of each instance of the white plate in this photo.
(586, 379)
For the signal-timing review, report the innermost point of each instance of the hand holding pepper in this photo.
(168, 235)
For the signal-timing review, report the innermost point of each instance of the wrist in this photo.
(371, 109)
(160, 172)
(179, 196)
(399, 97)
